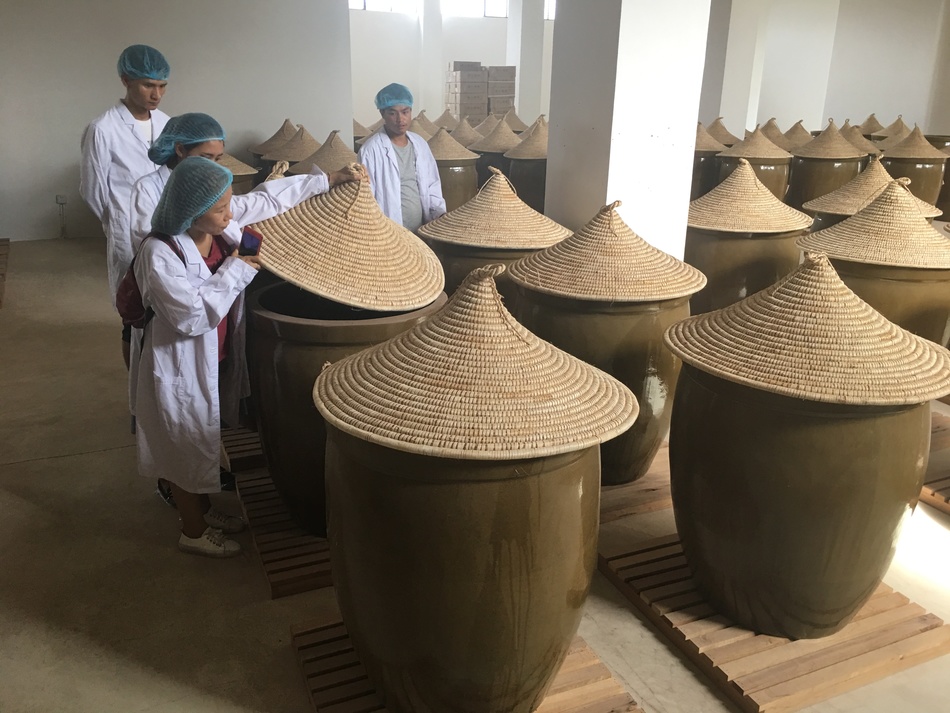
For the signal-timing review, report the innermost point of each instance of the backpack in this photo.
(128, 297)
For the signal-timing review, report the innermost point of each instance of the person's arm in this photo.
(143, 204)
(94, 171)
(274, 197)
(434, 187)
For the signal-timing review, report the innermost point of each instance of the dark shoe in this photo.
(227, 480)
(165, 493)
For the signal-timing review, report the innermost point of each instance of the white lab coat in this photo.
(175, 381)
(379, 157)
(114, 157)
(265, 201)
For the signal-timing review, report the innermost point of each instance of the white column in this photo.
(431, 91)
(938, 122)
(717, 38)
(745, 60)
(525, 50)
(624, 99)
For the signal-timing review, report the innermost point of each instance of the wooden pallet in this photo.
(337, 683)
(243, 447)
(770, 673)
(649, 493)
(4, 257)
(293, 560)
(936, 490)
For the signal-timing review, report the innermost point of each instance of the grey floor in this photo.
(100, 613)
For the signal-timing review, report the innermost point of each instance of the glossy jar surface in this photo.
(773, 173)
(705, 174)
(459, 181)
(811, 178)
(459, 260)
(529, 176)
(926, 176)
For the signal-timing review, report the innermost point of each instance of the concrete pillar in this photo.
(938, 120)
(745, 60)
(525, 49)
(625, 84)
(717, 38)
(432, 72)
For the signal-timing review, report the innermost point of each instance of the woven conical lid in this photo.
(514, 121)
(896, 127)
(236, 167)
(495, 218)
(742, 204)
(298, 148)
(757, 146)
(446, 121)
(893, 140)
(858, 140)
(499, 140)
(464, 133)
(470, 382)
(376, 125)
(284, 134)
(606, 261)
(359, 131)
(426, 123)
(445, 148)
(860, 191)
(774, 134)
(870, 125)
(534, 145)
(889, 231)
(798, 135)
(332, 156)
(416, 127)
(829, 144)
(360, 142)
(808, 336)
(916, 146)
(705, 142)
(485, 128)
(339, 245)
(719, 132)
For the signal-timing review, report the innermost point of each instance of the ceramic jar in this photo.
(918, 160)
(491, 151)
(769, 162)
(457, 170)
(823, 165)
(705, 167)
(529, 165)
(943, 200)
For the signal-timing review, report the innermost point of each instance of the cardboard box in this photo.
(464, 66)
(499, 105)
(473, 111)
(467, 87)
(472, 75)
(501, 74)
(467, 97)
(501, 89)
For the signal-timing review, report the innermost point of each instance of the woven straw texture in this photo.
(284, 134)
(416, 127)
(299, 147)
(236, 167)
(500, 139)
(376, 125)
(808, 336)
(606, 261)
(514, 121)
(798, 135)
(893, 140)
(495, 218)
(445, 148)
(332, 156)
(757, 146)
(774, 134)
(858, 140)
(446, 121)
(278, 171)
(870, 125)
(339, 245)
(860, 191)
(705, 142)
(829, 144)
(359, 131)
(464, 133)
(916, 146)
(431, 128)
(472, 383)
(485, 128)
(889, 231)
(742, 204)
(719, 132)
(896, 127)
(534, 145)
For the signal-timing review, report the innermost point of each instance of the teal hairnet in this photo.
(393, 94)
(187, 129)
(143, 62)
(194, 186)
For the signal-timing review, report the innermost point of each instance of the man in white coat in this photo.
(115, 154)
(403, 173)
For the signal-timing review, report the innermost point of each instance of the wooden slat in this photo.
(243, 447)
(649, 493)
(4, 251)
(936, 490)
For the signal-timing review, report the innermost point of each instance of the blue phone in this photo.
(250, 242)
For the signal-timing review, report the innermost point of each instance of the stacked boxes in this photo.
(474, 91)
(501, 89)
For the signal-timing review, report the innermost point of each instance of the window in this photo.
(406, 7)
(549, 6)
(475, 8)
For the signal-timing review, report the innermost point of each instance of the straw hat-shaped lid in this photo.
(360, 142)
(416, 127)
(757, 146)
(870, 125)
(774, 134)
(485, 128)
(376, 125)
(534, 145)
(889, 231)
(808, 336)
(472, 383)
(332, 156)
(339, 245)
(426, 123)
(500, 139)
(495, 218)
(860, 191)
(284, 134)
(445, 148)
(705, 142)
(916, 146)
(829, 144)
(895, 127)
(299, 147)
(719, 132)
(858, 140)
(359, 131)
(464, 133)
(889, 142)
(606, 261)
(514, 121)
(446, 121)
(235, 166)
(797, 134)
(742, 204)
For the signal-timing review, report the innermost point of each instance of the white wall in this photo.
(717, 38)
(57, 73)
(938, 120)
(545, 71)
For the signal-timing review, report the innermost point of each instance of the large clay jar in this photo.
(463, 504)
(918, 160)
(243, 174)
(768, 161)
(823, 165)
(742, 238)
(456, 169)
(799, 443)
(299, 147)
(607, 296)
(333, 155)
(894, 260)
(491, 151)
(464, 133)
(943, 143)
(705, 166)
(529, 165)
(362, 279)
(720, 133)
(494, 227)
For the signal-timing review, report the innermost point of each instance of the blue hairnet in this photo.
(194, 186)
(187, 129)
(393, 94)
(143, 62)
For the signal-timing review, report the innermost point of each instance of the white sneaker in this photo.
(228, 524)
(212, 543)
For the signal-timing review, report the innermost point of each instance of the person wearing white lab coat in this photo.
(403, 173)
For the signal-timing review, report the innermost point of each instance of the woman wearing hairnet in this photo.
(191, 374)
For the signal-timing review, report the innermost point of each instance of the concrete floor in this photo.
(100, 613)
